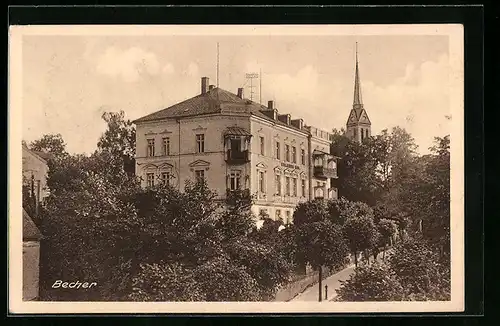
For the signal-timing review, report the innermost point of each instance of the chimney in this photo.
(285, 118)
(270, 105)
(204, 85)
(211, 87)
(240, 92)
(297, 123)
(273, 114)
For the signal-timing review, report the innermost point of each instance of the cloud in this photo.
(168, 69)
(418, 101)
(192, 70)
(305, 94)
(129, 64)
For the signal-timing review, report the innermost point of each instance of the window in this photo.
(261, 145)
(287, 186)
(200, 143)
(151, 147)
(150, 177)
(362, 133)
(303, 157)
(278, 150)
(278, 185)
(199, 175)
(288, 219)
(38, 188)
(262, 188)
(165, 178)
(319, 190)
(234, 180)
(294, 187)
(294, 154)
(278, 215)
(263, 212)
(166, 146)
(355, 133)
(287, 153)
(303, 187)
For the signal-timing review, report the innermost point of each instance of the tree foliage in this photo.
(117, 143)
(151, 243)
(52, 144)
(375, 282)
(413, 273)
(319, 240)
(162, 244)
(419, 271)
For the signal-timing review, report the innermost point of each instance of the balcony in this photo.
(237, 157)
(323, 172)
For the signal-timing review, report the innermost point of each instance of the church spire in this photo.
(358, 101)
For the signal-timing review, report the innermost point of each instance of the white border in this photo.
(456, 55)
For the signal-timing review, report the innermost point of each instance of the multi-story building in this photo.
(233, 142)
(35, 170)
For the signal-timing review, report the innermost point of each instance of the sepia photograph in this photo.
(236, 168)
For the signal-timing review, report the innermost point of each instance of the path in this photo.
(333, 282)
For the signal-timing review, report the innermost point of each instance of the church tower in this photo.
(358, 126)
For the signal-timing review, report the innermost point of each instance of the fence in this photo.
(299, 283)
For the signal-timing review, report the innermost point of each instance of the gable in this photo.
(261, 165)
(364, 117)
(199, 163)
(353, 118)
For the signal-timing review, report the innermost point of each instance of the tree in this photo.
(361, 234)
(149, 243)
(262, 261)
(221, 280)
(166, 282)
(369, 169)
(237, 218)
(412, 273)
(375, 282)
(357, 178)
(418, 270)
(319, 240)
(387, 229)
(52, 144)
(117, 143)
(315, 210)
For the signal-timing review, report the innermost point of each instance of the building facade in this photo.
(235, 143)
(31, 258)
(35, 171)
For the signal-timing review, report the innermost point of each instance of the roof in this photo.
(30, 231)
(206, 103)
(318, 152)
(236, 131)
(209, 103)
(42, 156)
(357, 111)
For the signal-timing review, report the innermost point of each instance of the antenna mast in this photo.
(251, 77)
(260, 86)
(217, 64)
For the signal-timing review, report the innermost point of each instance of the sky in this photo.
(70, 80)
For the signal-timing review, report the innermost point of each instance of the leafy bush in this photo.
(375, 282)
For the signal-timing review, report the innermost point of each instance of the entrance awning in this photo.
(236, 131)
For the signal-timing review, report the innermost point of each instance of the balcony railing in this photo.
(322, 172)
(237, 157)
